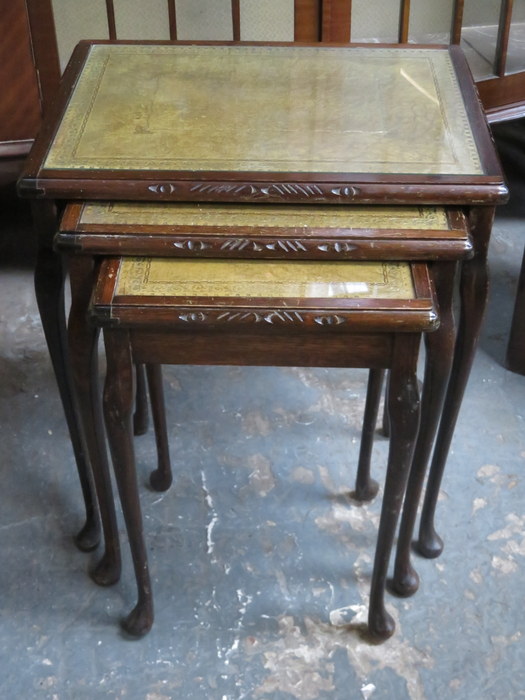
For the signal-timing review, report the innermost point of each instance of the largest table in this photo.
(315, 125)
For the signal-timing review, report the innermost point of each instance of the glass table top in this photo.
(266, 109)
(262, 216)
(249, 279)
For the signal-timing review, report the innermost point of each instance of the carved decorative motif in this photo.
(248, 245)
(329, 320)
(272, 316)
(287, 246)
(191, 245)
(163, 188)
(336, 247)
(256, 191)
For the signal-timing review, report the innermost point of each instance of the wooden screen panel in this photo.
(20, 102)
(307, 20)
(272, 20)
(75, 20)
(516, 51)
(201, 20)
(424, 21)
(457, 22)
(337, 19)
(136, 19)
(503, 37)
(372, 21)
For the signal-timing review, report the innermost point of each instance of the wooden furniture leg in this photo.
(515, 359)
(161, 478)
(439, 355)
(140, 416)
(49, 289)
(403, 407)
(385, 425)
(83, 345)
(118, 406)
(473, 294)
(365, 487)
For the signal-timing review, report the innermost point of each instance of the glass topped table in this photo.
(267, 124)
(274, 123)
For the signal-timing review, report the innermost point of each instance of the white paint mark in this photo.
(350, 614)
(504, 566)
(244, 601)
(367, 690)
(478, 504)
(476, 576)
(487, 471)
(213, 521)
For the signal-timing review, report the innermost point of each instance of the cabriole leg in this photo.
(118, 412)
(403, 406)
(473, 293)
(49, 289)
(83, 345)
(161, 478)
(365, 487)
(439, 355)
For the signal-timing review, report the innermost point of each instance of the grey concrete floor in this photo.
(260, 562)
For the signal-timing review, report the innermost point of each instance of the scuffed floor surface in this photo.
(260, 560)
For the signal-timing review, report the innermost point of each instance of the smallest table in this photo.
(256, 312)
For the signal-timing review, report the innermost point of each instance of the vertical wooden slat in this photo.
(172, 16)
(457, 22)
(307, 20)
(112, 27)
(337, 15)
(236, 20)
(45, 48)
(404, 21)
(505, 19)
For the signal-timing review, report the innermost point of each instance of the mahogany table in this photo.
(263, 312)
(267, 124)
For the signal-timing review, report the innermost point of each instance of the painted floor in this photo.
(260, 561)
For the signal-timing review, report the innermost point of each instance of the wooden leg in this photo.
(385, 426)
(515, 360)
(118, 408)
(49, 290)
(439, 355)
(83, 346)
(140, 417)
(365, 487)
(161, 478)
(473, 291)
(403, 406)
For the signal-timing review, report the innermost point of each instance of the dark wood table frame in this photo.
(51, 188)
